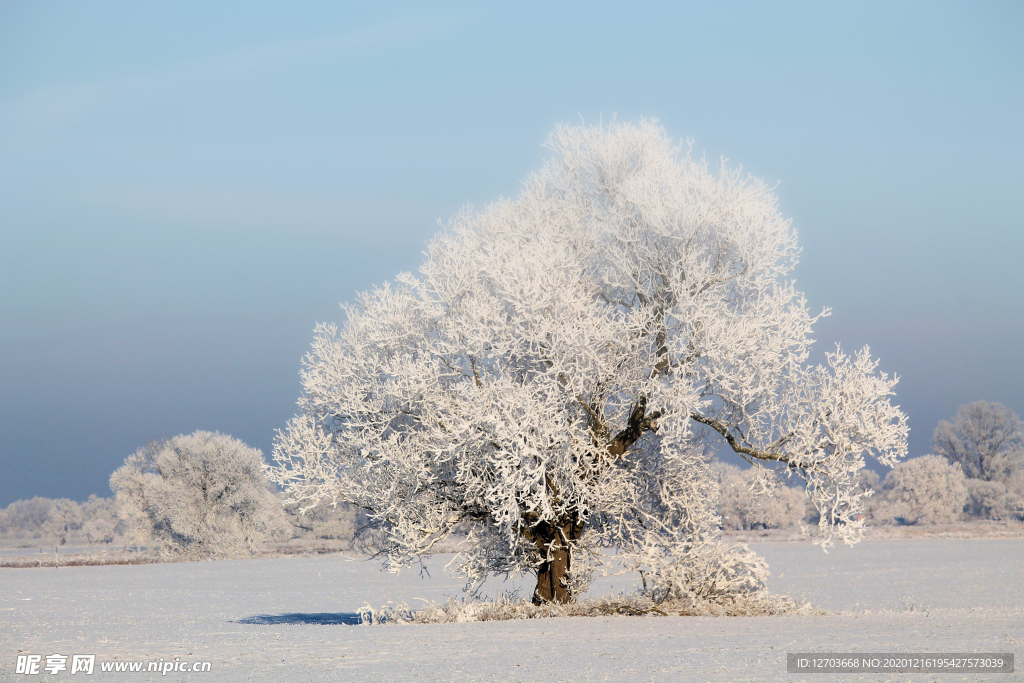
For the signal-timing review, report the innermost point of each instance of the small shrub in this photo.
(993, 500)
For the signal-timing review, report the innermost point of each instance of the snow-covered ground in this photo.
(285, 619)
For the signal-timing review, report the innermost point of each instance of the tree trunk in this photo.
(553, 541)
(551, 578)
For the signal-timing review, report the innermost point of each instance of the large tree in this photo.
(985, 439)
(557, 376)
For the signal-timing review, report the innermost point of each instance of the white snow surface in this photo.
(910, 595)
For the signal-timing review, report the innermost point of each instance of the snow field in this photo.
(283, 619)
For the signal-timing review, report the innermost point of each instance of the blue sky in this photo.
(187, 188)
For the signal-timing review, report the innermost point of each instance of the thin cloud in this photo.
(57, 105)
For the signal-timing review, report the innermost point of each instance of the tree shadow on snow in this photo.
(317, 618)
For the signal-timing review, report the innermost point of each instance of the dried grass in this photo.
(960, 529)
(507, 607)
(45, 561)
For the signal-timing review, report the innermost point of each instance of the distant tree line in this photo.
(206, 495)
(201, 495)
(56, 520)
(976, 472)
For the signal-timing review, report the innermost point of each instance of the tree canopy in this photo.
(202, 495)
(558, 375)
(985, 439)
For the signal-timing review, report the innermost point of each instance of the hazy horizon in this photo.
(187, 189)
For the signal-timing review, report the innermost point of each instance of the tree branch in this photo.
(736, 445)
(639, 422)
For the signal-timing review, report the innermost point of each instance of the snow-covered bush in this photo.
(693, 580)
(704, 572)
(509, 607)
(559, 372)
(994, 499)
(198, 495)
(755, 499)
(924, 490)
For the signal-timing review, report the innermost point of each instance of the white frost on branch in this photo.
(558, 374)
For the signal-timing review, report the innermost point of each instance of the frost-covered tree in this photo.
(60, 519)
(25, 518)
(924, 490)
(198, 495)
(559, 372)
(100, 523)
(65, 520)
(754, 499)
(985, 439)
